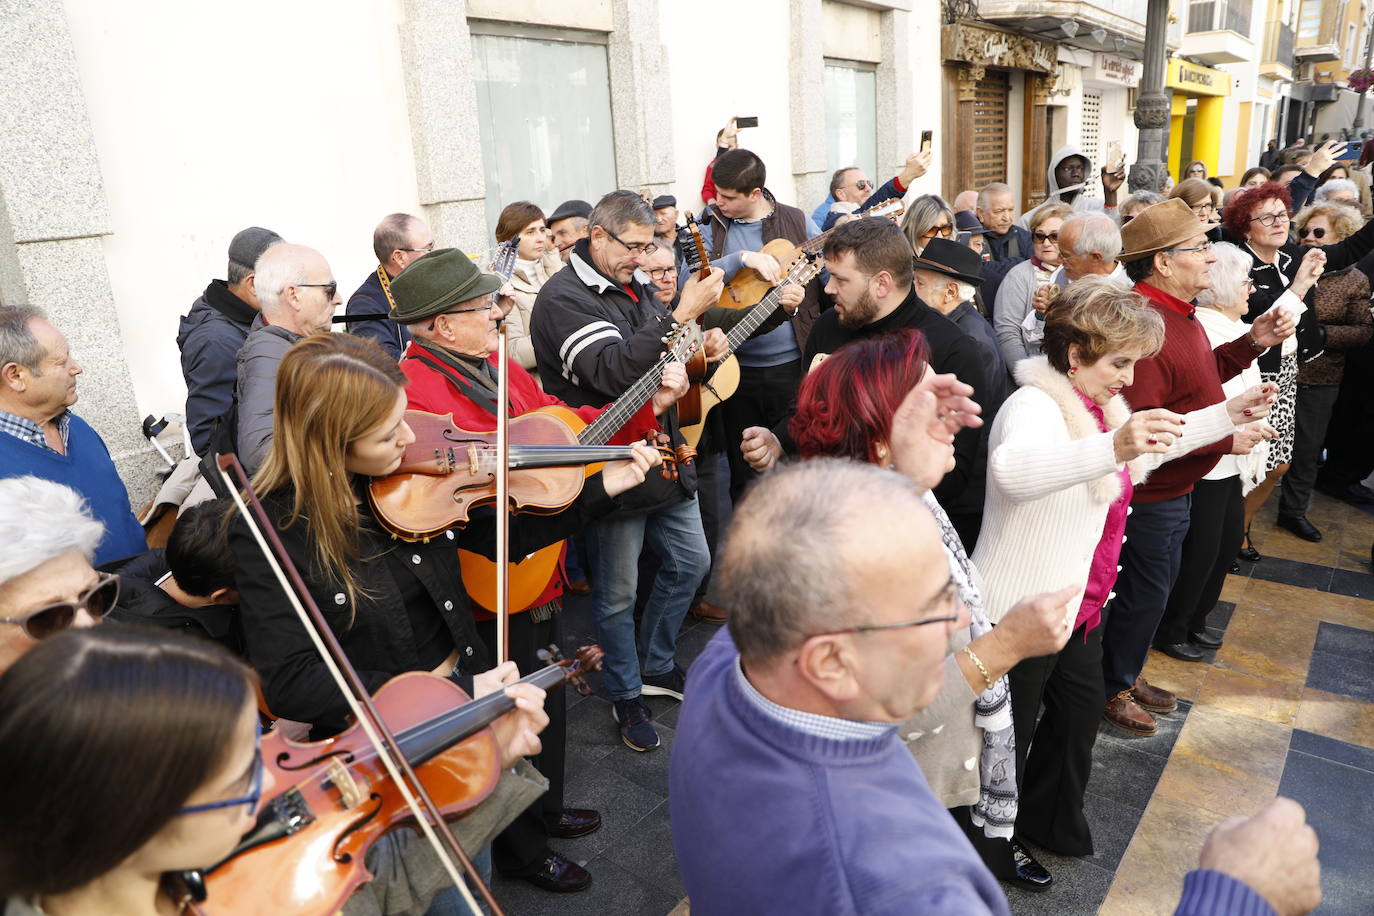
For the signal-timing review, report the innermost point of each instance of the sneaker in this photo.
(635, 729)
(669, 684)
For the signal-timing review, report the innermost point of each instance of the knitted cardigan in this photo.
(1051, 477)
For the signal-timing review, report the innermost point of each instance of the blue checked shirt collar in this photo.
(826, 727)
(31, 432)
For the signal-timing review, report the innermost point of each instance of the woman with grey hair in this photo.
(1217, 515)
(47, 583)
(927, 217)
(1017, 337)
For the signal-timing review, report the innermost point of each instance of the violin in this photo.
(334, 798)
(448, 471)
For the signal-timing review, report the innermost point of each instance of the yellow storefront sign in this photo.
(1195, 79)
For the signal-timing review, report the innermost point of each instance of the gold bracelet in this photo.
(979, 662)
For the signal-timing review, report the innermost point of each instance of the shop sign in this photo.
(988, 48)
(1194, 79)
(1114, 69)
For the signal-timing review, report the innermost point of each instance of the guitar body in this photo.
(719, 387)
(689, 406)
(748, 288)
(530, 575)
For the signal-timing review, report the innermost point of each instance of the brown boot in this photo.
(1123, 712)
(705, 610)
(1155, 699)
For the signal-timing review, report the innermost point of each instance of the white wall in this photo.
(927, 87)
(212, 117)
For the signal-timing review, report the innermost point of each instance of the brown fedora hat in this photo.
(1157, 228)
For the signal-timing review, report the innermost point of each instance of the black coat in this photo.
(375, 632)
(209, 339)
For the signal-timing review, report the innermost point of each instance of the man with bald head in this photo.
(397, 241)
(298, 295)
(790, 790)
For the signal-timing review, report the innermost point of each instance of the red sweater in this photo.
(431, 392)
(1185, 375)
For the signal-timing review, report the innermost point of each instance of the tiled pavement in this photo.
(1286, 706)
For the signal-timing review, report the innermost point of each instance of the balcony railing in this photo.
(1278, 44)
(1212, 15)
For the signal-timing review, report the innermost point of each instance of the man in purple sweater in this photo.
(790, 790)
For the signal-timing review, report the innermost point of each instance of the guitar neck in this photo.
(755, 319)
(626, 406)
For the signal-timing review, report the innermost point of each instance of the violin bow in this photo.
(502, 494)
(355, 693)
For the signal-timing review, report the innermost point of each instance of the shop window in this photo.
(544, 110)
(851, 116)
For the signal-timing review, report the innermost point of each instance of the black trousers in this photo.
(1350, 435)
(1314, 407)
(1216, 529)
(1150, 558)
(1055, 758)
(522, 845)
(764, 397)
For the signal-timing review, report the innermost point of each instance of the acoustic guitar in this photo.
(531, 575)
(747, 288)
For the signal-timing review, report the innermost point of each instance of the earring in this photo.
(1073, 370)
(882, 452)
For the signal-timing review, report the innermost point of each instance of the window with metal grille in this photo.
(1090, 139)
(989, 141)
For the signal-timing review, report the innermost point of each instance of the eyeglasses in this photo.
(329, 288)
(659, 274)
(1316, 232)
(1268, 219)
(1046, 236)
(54, 618)
(1204, 210)
(1205, 246)
(254, 792)
(646, 249)
(863, 185)
(428, 248)
(948, 597)
(944, 229)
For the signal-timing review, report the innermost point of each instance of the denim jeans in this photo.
(450, 902)
(675, 535)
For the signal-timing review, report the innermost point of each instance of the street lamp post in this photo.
(1153, 106)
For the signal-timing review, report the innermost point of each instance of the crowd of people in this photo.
(966, 479)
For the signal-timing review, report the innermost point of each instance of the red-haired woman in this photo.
(862, 403)
(1284, 273)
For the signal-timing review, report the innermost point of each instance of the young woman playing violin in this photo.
(395, 606)
(124, 754)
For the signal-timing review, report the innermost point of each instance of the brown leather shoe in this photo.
(705, 610)
(1122, 712)
(1155, 699)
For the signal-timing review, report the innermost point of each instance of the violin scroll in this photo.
(589, 658)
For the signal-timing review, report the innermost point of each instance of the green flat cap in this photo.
(437, 281)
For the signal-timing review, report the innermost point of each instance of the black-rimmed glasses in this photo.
(1268, 219)
(948, 597)
(329, 288)
(645, 249)
(659, 274)
(54, 618)
(426, 250)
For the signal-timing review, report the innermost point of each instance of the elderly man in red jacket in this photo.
(448, 306)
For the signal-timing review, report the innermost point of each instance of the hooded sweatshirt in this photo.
(1079, 203)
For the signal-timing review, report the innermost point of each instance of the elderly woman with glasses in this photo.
(864, 403)
(1215, 526)
(1283, 272)
(928, 217)
(1017, 318)
(1063, 459)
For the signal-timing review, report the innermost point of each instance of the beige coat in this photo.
(527, 286)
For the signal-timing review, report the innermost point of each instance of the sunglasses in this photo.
(329, 288)
(54, 618)
(1046, 236)
(1316, 232)
(863, 185)
(944, 229)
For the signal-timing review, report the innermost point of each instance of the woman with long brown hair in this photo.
(395, 606)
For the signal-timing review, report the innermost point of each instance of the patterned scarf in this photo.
(995, 811)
